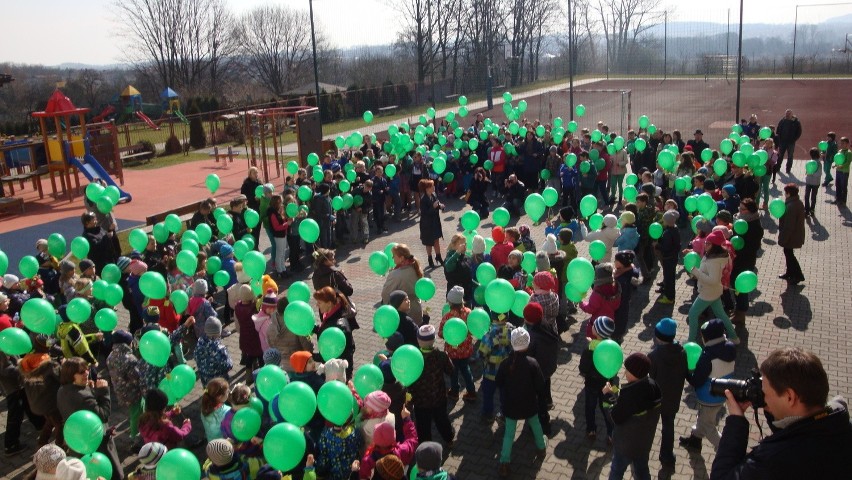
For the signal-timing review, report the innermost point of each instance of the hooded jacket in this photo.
(544, 347)
(522, 386)
(41, 382)
(716, 361)
(604, 301)
(669, 370)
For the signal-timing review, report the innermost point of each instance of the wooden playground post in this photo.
(275, 145)
(250, 139)
(263, 154)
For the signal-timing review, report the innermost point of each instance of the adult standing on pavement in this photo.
(430, 220)
(403, 276)
(249, 189)
(788, 130)
(746, 258)
(327, 274)
(842, 172)
(332, 308)
(101, 246)
(697, 143)
(791, 233)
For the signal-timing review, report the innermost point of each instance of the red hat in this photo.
(533, 313)
(384, 435)
(498, 235)
(544, 281)
(716, 237)
(688, 148)
(299, 361)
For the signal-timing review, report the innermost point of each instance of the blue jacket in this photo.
(716, 361)
(628, 240)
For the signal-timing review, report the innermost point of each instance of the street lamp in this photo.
(314, 46)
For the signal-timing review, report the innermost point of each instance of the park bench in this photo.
(388, 109)
(135, 154)
(11, 203)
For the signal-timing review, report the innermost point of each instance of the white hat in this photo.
(520, 339)
(71, 469)
(549, 246)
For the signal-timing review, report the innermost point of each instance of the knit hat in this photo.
(649, 189)
(725, 216)
(272, 357)
(246, 294)
(395, 341)
(135, 255)
(628, 218)
(40, 242)
(66, 266)
(542, 262)
(638, 364)
(267, 472)
(137, 267)
(603, 327)
(533, 313)
(9, 280)
(267, 283)
(122, 263)
(478, 246)
(220, 452)
(212, 327)
(226, 251)
(48, 457)
(544, 281)
(396, 298)
(390, 467)
(270, 299)
(520, 339)
(384, 435)
(456, 295)
(716, 237)
(625, 257)
(122, 337)
(299, 361)
(429, 456)
(712, 330)
(268, 188)
(704, 225)
(498, 234)
(603, 274)
(335, 369)
(199, 287)
(426, 333)
(670, 217)
(151, 453)
(156, 400)
(3, 297)
(730, 189)
(610, 220)
(549, 246)
(665, 330)
(709, 184)
(71, 469)
(377, 401)
(86, 264)
(387, 372)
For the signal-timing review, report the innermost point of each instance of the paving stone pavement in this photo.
(810, 315)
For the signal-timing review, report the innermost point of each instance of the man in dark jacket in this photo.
(668, 369)
(788, 130)
(100, 241)
(635, 413)
(791, 233)
(544, 347)
(810, 439)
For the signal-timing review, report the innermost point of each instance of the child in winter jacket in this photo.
(502, 247)
(428, 393)
(384, 443)
(429, 457)
(608, 234)
(668, 249)
(544, 347)
(375, 411)
(123, 369)
(263, 319)
(594, 382)
(544, 294)
(251, 349)
(149, 456)
(461, 353)
(629, 237)
(211, 355)
(635, 413)
(628, 278)
(221, 463)
(669, 370)
(214, 408)
(605, 297)
(155, 425)
(493, 348)
(251, 451)
(716, 361)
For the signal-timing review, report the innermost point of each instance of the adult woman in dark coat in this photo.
(791, 233)
(746, 258)
(326, 273)
(248, 189)
(430, 220)
(331, 307)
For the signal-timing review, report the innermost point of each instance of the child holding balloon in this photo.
(155, 425)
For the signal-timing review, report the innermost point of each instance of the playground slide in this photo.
(92, 169)
(181, 116)
(147, 120)
(109, 110)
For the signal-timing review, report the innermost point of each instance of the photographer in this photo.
(810, 439)
(515, 195)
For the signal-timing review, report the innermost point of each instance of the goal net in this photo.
(610, 106)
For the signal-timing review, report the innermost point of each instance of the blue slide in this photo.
(92, 169)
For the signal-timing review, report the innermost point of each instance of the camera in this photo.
(747, 390)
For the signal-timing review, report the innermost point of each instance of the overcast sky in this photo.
(84, 31)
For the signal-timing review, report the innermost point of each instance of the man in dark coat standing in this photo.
(791, 233)
(668, 369)
(101, 250)
(788, 130)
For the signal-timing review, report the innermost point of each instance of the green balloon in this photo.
(720, 166)
(737, 242)
(588, 205)
(299, 318)
(97, 465)
(454, 331)
(595, 221)
(254, 264)
(390, 171)
(104, 205)
(331, 342)
(386, 321)
(424, 289)
(251, 217)
(84, 431)
(777, 208)
(630, 193)
(212, 182)
(180, 300)
(499, 295)
(221, 278)
(550, 195)
(528, 262)
(597, 250)
(521, 299)
(225, 224)
(607, 358)
(367, 379)
(138, 239)
(305, 193)
(39, 316)
(534, 206)
(693, 353)
(172, 223)
(478, 323)
(28, 266)
(99, 288)
(470, 220)
(297, 403)
(764, 133)
(214, 264)
(309, 230)
(153, 285)
(106, 319)
(580, 110)
(178, 464)
(113, 294)
(485, 273)
(839, 158)
(283, 446)
(4, 262)
(407, 364)
(313, 158)
(691, 260)
(56, 245)
(335, 401)
(501, 217)
(368, 116)
(94, 191)
(740, 227)
(811, 167)
(14, 341)
(694, 223)
(299, 291)
(79, 310)
(241, 248)
(182, 380)
(155, 348)
(640, 144)
(655, 230)
(746, 282)
(270, 380)
(581, 273)
(379, 263)
(159, 230)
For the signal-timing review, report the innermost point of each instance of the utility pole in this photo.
(571, 59)
(314, 45)
(739, 64)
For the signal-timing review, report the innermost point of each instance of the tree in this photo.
(185, 43)
(90, 85)
(276, 42)
(623, 22)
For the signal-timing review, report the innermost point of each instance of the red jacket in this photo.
(603, 301)
(166, 433)
(500, 254)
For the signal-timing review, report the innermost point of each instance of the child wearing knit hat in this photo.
(390, 467)
(221, 462)
(263, 319)
(46, 459)
(429, 457)
(544, 294)
(602, 329)
(669, 370)
(428, 393)
(605, 297)
(629, 237)
(635, 413)
(544, 347)
(399, 300)
(211, 355)
(375, 411)
(385, 443)
(251, 348)
(149, 456)
(461, 353)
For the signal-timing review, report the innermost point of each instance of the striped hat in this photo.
(220, 452)
(151, 453)
(604, 327)
(377, 401)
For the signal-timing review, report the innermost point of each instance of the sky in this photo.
(52, 32)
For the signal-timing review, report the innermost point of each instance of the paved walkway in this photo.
(808, 315)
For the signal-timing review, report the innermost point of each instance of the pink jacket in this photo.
(404, 450)
(166, 433)
(603, 301)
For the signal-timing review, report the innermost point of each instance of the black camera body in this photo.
(748, 390)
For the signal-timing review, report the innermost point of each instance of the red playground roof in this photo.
(59, 105)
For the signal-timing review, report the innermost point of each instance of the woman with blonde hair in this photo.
(403, 276)
(430, 220)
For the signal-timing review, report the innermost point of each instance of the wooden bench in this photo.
(11, 203)
(388, 109)
(179, 211)
(134, 153)
(225, 156)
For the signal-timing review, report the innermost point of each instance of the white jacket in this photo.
(608, 237)
(709, 276)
